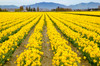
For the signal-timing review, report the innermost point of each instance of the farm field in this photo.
(92, 13)
(49, 39)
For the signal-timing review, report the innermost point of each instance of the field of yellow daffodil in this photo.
(73, 39)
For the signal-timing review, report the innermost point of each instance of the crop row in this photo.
(8, 47)
(87, 47)
(4, 35)
(92, 36)
(32, 55)
(63, 55)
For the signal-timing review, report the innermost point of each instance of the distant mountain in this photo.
(85, 5)
(46, 5)
(8, 6)
(51, 5)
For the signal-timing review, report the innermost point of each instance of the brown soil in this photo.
(18, 51)
(47, 56)
(83, 62)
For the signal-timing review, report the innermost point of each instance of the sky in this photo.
(28, 2)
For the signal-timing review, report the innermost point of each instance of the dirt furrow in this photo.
(19, 50)
(83, 62)
(47, 56)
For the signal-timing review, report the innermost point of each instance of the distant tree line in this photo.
(20, 9)
(89, 9)
(28, 9)
(98, 7)
(58, 9)
(3, 10)
(61, 9)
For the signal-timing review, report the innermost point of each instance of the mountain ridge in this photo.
(8, 6)
(51, 5)
(85, 5)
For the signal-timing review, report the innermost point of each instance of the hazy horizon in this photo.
(28, 2)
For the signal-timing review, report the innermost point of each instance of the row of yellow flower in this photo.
(83, 22)
(63, 55)
(87, 12)
(8, 47)
(88, 20)
(32, 55)
(86, 24)
(83, 32)
(8, 18)
(5, 33)
(13, 22)
(87, 47)
(85, 18)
